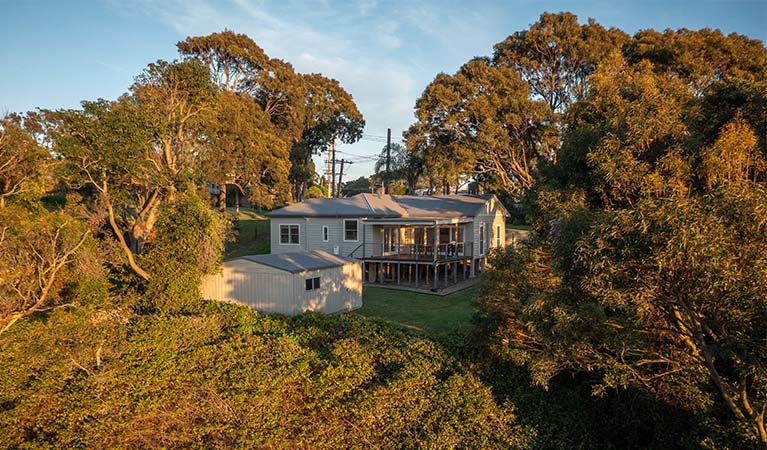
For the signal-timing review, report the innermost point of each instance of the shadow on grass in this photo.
(252, 236)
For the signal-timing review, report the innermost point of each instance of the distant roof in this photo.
(300, 262)
(382, 206)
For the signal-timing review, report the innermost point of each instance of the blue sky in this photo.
(57, 53)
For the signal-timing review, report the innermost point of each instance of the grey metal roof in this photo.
(442, 205)
(361, 205)
(382, 206)
(300, 262)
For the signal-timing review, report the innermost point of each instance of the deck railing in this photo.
(414, 252)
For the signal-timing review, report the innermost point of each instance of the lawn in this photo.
(252, 234)
(435, 316)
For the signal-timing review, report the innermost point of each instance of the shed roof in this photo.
(393, 206)
(300, 262)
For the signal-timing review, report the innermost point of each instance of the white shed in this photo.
(288, 283)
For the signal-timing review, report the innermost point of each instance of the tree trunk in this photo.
(123, 244)
(222, 198)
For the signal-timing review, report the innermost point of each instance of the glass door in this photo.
(390, 240)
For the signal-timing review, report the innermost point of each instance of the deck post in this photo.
(416, 273)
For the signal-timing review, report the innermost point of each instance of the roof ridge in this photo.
(365, 197)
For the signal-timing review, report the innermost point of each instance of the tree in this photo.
(404, 166)
(700, 58)
(330, 114)
(233, 58)
(358, 186)
(239, 65)
(243, 149)
(557, 55)
(481, 121)
(24, 163)
(259, 130)
(141, 150)
(37, 252)
(666, 297)
(646, 267)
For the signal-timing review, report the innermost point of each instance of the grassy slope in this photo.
(432, 315)
(252, 234)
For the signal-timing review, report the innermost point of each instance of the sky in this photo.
(57, 53)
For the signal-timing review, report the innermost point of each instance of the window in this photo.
(289, 234)
(482, 239)
(312, 283)
(325, 233)
(351, 230)
(498, 236)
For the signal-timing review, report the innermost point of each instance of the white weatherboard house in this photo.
(419, 241)
(289, 283)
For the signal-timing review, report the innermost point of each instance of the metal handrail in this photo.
(357, 248)
(414, 252)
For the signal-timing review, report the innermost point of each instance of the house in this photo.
(290, 283)
(421, 241)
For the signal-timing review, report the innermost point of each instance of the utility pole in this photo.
(327, 174)
(341, 175)
(388, 160)
(333, 192)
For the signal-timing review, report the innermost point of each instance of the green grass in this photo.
(252, 234)
(435, 316)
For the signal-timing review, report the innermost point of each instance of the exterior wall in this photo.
(260, 287)
(311, 235)
(491, 218)
(276, 247)
(340, 290)
(271, 290)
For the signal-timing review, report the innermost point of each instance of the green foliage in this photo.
(557, 55)
(41, 255)
(358, 186)
(24, 163)
(646, 267)
(482, 121)
(189, 244)
(700, 58)
(244, 149)
(405, 167)
(330, 114)
(228, 377)
(315, 192)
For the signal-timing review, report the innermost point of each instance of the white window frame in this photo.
(315, 283)
(482, 239)
(290, 225)
(325, 233)
(498, 235)
(344, 230)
